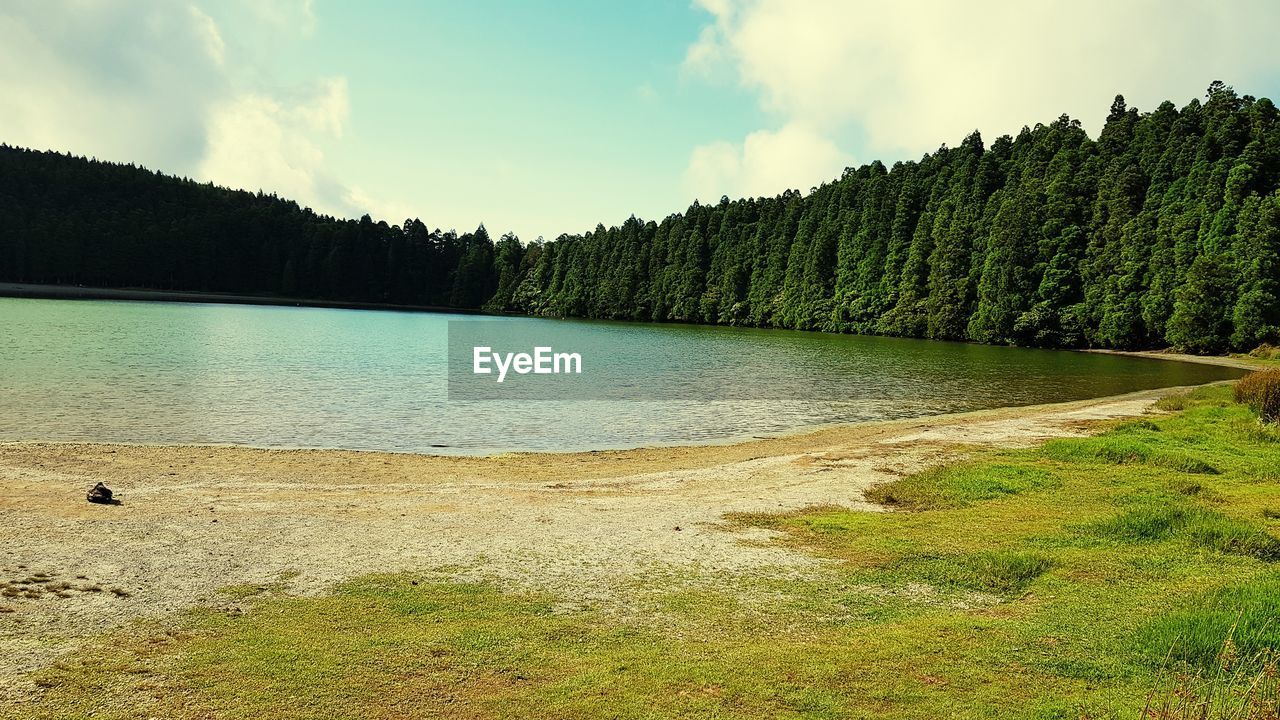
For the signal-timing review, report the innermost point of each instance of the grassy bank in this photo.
(1084, 578)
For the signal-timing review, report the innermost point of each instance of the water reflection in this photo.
(309, 377)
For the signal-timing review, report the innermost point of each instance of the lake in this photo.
(158, 372)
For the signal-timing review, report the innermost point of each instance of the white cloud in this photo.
(272, 143)
(120, 80)
(155, 83)
(705, 55)
(214, 46)
(283, 15)
(360, 202)
(908, 76)
(257, 141)
(766, 163)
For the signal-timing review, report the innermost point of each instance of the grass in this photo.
(1247, 614)
(961, 485)
(457, 650)
(1231, 690)
(1098, 577)
(1173, 402)
(1001, 572)
(1199, 526)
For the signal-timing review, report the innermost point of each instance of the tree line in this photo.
(1163, 231)
(69, 220)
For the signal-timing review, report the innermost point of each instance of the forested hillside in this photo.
(66, 220)
(1165, 230)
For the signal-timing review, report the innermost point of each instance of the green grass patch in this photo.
(960, 485)
(1183, 463)
(387, 647)
(1002, 572)
(1228, 535)
(1142, 524)
(1127, 446)
(1117, 449)
(1174, 402)
(1247, 615)
(1191, 488)
(1202, 527)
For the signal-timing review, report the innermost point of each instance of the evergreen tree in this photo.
(1201, 321)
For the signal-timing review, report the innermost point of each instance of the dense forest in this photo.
(1165, 230)
(66, 220)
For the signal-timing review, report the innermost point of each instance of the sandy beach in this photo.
(594, 527)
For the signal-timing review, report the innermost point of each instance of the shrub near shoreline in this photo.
(1261, 392)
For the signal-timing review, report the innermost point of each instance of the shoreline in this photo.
(1231, 361)
(79, 292)
(589, 526)
(798, 439)
(37, 291)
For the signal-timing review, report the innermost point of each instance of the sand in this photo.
(591, 527)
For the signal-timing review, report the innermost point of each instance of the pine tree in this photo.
(1256, 315)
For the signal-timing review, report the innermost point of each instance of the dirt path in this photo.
(588, 525)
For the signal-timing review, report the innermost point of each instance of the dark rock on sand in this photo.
(102, 495)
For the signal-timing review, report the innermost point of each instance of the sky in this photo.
(547, 117)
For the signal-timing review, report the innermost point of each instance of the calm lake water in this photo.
(304, 377)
